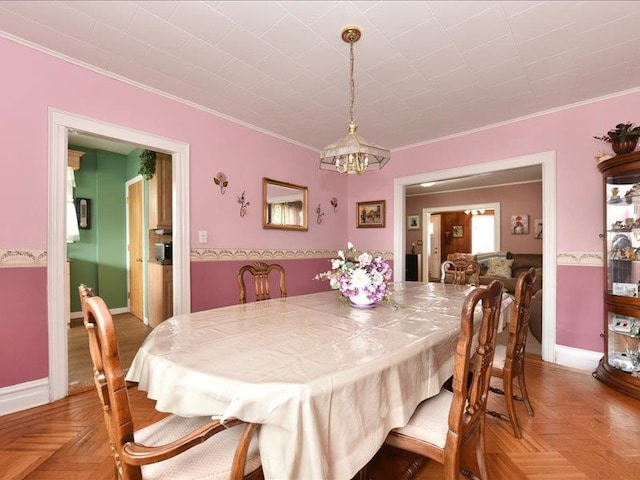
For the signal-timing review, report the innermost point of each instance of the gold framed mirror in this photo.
(284, 205)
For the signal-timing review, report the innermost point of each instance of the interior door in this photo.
(434, 247)
(135, 250)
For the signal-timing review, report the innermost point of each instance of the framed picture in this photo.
(520, 224)
(371, 214)
(537, 228)
(413, 222)
(83, 212)
(456, 231)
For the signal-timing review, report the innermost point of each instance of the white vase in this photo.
(361, 300)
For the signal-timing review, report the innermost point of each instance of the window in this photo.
(482, 233)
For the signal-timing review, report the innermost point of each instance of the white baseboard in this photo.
(113, 311)
(577, 358)
(24, 395)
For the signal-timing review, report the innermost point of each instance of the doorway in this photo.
(431, 238)
(59, 124)
(547, 161)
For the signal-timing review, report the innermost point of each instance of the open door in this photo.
(135, 248)
(432, 232)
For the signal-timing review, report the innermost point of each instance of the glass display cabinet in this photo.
(620, 366)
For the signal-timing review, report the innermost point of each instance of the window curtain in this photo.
(288, 213)
(73, 232)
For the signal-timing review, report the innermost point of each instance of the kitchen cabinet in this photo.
(160, 293)
(160, 194)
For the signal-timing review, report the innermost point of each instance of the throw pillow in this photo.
(499, 267)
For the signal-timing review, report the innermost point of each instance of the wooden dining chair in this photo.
(460, 272)
(508, 362)
(260, 272)
(173, 448)
(449, 428)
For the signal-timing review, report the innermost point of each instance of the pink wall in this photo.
(579, 206)
(524, 198)
(35, 81)
(214, 284)
(23, 303)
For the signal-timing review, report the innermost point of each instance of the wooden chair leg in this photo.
(523, 392)
(511, 406)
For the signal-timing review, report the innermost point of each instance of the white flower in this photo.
(349, 245)
(365, 259)
(377, 278)
(360, 278)
(336, 263)
(341, 254)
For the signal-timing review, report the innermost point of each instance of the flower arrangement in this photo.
(359, 276)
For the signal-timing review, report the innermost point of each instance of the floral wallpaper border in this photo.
(38, 258)
(228, 254)
(23, 258)
(581, 258)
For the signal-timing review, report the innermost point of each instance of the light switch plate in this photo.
(202, 236)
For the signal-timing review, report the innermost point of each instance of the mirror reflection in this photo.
(284, 205)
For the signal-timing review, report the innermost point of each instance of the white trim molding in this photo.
(59, 123)
(23, 258)
(588, 259)
(24, 395)
(577, 358)
(549, 198)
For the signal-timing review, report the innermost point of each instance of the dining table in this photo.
(325, 381)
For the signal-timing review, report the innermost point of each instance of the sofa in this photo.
(520, 262)
(503, 266)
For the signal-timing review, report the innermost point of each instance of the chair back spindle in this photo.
(260, 272)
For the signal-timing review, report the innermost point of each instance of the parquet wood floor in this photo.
(131, 332)
(582, 430)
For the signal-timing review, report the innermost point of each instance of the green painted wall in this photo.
(99, 258)
(84, 254)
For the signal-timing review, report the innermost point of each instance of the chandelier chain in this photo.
(352, 86)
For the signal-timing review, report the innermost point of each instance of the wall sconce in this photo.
(221, 180)
(243, 204)
(320, 214)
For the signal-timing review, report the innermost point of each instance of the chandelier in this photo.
(352, 153)
(474, 212)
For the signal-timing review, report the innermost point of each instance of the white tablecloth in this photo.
(326, 381)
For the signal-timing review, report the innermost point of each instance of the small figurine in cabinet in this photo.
(615, 197)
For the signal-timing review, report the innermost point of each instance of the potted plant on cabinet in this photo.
(147, 164)
(623, 138)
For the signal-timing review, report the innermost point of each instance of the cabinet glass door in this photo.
(623, 235)
(624, 343)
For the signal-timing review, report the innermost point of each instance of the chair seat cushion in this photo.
(430, 421)
(211, 460)
(499, 356)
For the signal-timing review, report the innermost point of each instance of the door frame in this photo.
(59, 123)
(549, 253)
(426, 214)
(145, 247)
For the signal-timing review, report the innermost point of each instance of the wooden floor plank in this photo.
(582, 430)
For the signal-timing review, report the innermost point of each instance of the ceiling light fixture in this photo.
(352, 153)
(474, 212)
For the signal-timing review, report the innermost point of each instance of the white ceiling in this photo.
(424, 70)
